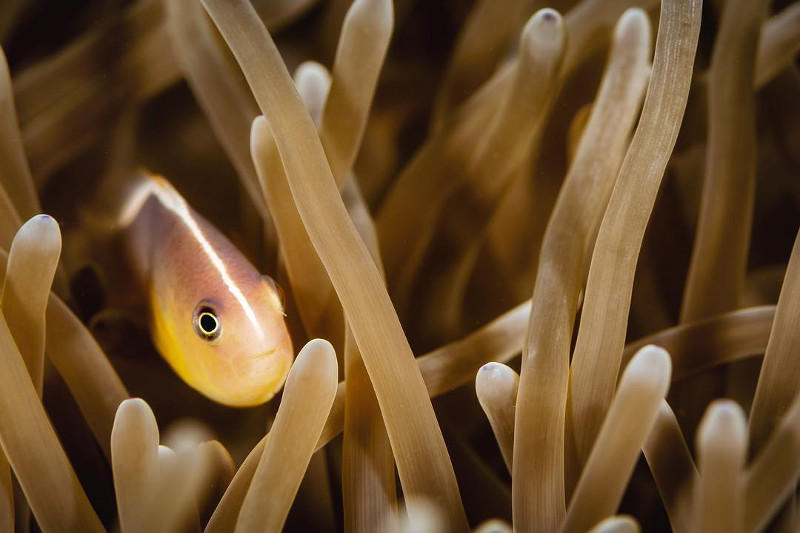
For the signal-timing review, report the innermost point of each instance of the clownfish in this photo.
(216, 321)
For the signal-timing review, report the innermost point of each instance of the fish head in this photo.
(229, 341)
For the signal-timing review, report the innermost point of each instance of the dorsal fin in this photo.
(116, 205)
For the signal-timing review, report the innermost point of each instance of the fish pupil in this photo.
(208, 323)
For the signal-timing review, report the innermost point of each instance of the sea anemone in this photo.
(542, 270)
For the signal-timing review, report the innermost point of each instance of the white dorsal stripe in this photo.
(174, 202)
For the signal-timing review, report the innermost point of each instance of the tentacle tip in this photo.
(549, 15)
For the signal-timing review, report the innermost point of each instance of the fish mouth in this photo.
(266, 354)
(253, 380)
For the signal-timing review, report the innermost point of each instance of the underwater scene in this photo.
(399, 265)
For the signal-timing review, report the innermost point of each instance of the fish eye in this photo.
(206, 323)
